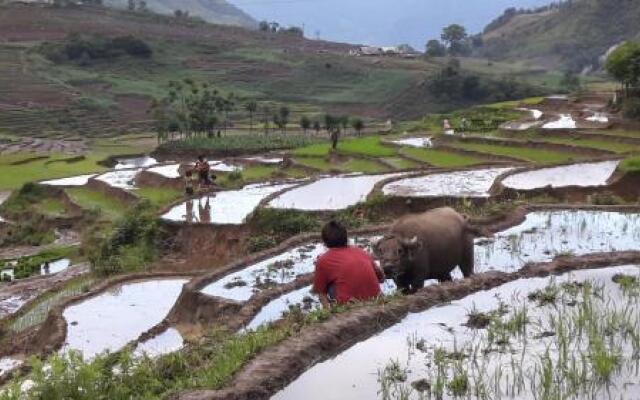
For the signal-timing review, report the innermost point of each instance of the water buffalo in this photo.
(426, 246)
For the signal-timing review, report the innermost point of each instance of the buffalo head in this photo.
(396, 254)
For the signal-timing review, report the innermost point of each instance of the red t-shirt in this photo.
(351, 270)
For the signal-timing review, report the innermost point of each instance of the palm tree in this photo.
(358, 125)
(305, 124)
(251, 108)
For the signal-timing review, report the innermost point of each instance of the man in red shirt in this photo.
(345, 273)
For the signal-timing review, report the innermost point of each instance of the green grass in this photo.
(51, 206)
(631, 165)
(516, 103)
(362, 165)
(318, 163)
(612, 146)
(367, 146)
(160, 197)
(15, 175)
(402, 163)
(521, 153)
(91, 200)
(441, 158)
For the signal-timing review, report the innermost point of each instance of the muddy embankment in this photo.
(154, 180)
(273, 369)
(113, 192)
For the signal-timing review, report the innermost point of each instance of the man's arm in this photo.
(320, 285)
(324, 300)
(377, 269)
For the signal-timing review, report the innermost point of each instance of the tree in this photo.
(358, 125)
(131, 5)
(264, 26)
(623, 64)
(435, 49)
(344, 123)
(305, 124)
(266, 111)
(332, 125)
(570, 80)
(251, 108)
(227, 105)
(283, 116)
(455, 36)
(317, 127)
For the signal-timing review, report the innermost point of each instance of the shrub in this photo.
(135, 241)
(631, 108)
(284, 222)
(260, 243)
(85, 48)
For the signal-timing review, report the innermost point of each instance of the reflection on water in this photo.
(584, 174)
(112, 319)
(229, 207)
(473, 183)
(354, 373)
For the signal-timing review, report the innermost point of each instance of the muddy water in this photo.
(536, 114)
(266, 160)
(170, 171)
(135, 162)
(547, 234)
(566, 121)
(586, 174)
(354, 373)
(277, 270)
(415, 142)
(79, 180)
(53, 268)
(230, 207)
(167, 342)
(274, 310)
(120, 178)
(599, 117)
(221, 166)
(110, 320)
(334, 193)
(520, 126)
(474, 183)
(8, 364)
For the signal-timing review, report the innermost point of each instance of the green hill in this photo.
(214, 11)
(62, 73)
(574, 34)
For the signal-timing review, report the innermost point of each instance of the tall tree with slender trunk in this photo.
(251, 107)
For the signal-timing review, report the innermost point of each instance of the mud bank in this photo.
(278, 366)
(110, 191)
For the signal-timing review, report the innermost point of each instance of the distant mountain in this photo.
(575, 35)
(380, 22)
(215, 11)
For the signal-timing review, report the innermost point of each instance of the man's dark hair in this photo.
(201, 158)
(334, 235)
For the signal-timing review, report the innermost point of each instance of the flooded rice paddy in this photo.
(419, 142)
(472, 183)
(273, 310)
(110, 320)
(45, 269)
(135, 162)
(333, 193)
(547, 234)
(120, 178)
(8, 364)
(266, 160)
(229, 207)
(79, 180)
(566, 121)
(170, 171)
(442, 352)
(12, 304)
(273, 271)
(167, 342)
(598, 117)
(585, 174)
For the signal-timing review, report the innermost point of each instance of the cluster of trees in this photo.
(623, 64)
(454, 41)
(192, 110)
(453, 84)
(85, 48)
(274, 27)
(137, 5)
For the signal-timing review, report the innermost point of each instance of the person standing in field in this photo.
(203, 169)
(345, 273)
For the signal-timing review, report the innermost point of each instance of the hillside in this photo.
(45, 93)
(574, 36)
(214, 11)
